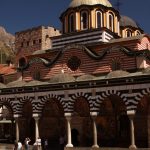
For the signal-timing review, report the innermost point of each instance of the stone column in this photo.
(36, 127)
(68, 118)
(94, 115)
(17, 129)
(131, 115)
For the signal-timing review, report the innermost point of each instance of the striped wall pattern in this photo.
(130, 95)
(82, 38)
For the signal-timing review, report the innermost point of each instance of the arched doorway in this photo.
(112, 123)
(7, 126)
(141, 122)
(52, 123)
(81, 124)
(27, 123)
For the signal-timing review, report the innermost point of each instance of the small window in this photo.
(84, 20)
(99, 19)
(34, 42)
(22, 62)
(27, 43)
(71, 23)
(116, 65)
(21, 44)
(128, 33)
(138, 33)
(111, 21)
(40, 40)
(37, 75)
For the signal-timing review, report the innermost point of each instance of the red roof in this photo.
(5, 69)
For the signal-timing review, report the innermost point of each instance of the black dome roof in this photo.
(127, 21)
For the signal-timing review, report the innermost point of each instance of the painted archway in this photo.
(112, 123)
(81, 123)
(141, 122)
(52, 122)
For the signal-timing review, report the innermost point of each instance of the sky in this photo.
(18, 15)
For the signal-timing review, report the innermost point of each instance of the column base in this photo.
(69, 145)
(132, 147)
(95, 146)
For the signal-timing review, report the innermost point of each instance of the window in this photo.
(116, 65)
(74, 63)
(40, 40)
(84, 20)
(34, 41)
(128, 33)
(138, 33)
(27, 43)
(111, 21)
(37, 75)
(71, 23)
(22, 62)
(99, 19)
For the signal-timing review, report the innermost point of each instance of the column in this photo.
(36, 127)
(68, 118)
(17, 129)
(94, 115)
(131, 116)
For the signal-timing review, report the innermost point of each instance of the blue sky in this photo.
(17, 15)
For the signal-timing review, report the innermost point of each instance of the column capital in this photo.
(131, 113)
(16, 116)
(36, 116)
(94, 114)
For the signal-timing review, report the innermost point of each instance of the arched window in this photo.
(128, 33)
(116, 65)
(99, 19)
(84, 20)
(111, 21)
(138, 32)
(71, 23)
(37, 75)
(22, 62)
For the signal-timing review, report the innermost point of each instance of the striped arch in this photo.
(102, 95)
(21, 102)
(141, 94)
(73, 98)
(10, 102)
(38, 107)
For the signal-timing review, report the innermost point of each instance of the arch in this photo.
(112, 123)
(137, 32)
(77, 95)
(128, 33)
(71, 22)
(99, 19)
(7, 127)
(142, 122)
(81, 122)
(116, 64)
(22, 62)
(26, 122)
(84, 20)
(111, 23)
(52, 122)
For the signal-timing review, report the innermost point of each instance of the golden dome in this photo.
(76, 3)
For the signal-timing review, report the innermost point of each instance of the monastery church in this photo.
(89, 82)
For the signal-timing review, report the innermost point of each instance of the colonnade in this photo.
(68, 117)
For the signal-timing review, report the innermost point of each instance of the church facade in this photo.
(89, 82)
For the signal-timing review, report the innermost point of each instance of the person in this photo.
(61, 142)
(46, 144)
(26, 144)
(19, 145)
(38, 142)
(15, 145)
